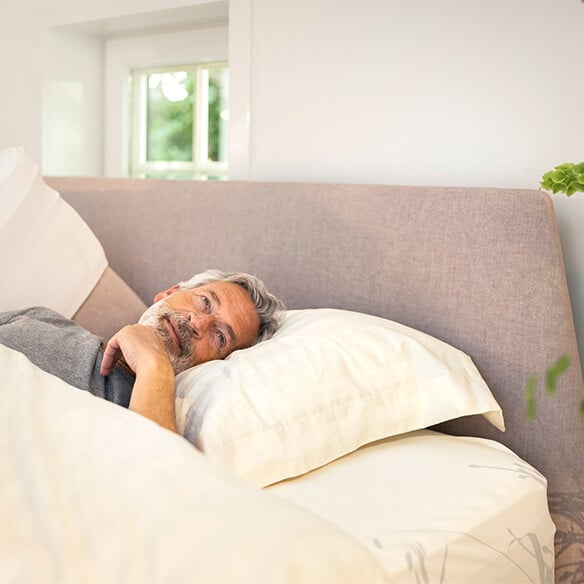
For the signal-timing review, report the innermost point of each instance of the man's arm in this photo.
(144, 352)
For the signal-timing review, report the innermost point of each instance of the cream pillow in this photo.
(327, 383)
(48, 255)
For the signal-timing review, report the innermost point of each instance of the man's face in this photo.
(203, 323)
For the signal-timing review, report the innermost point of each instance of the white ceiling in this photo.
(203, 14)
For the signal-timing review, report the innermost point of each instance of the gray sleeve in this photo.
(52, 342)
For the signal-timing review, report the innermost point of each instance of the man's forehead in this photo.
(219, 286)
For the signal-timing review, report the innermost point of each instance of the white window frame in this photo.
(200, 168)
(124, 53)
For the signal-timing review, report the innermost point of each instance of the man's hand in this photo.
(143, 351)
(140, 347)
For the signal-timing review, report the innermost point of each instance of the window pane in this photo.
(169, 126)
(218, 114)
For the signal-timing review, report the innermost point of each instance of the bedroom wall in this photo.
(21, 94)
(72, 140)
(414, 91)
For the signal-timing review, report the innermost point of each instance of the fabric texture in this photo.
(47, 252)
(94, 493)
(328, 382)
(62, 348)
(444, 499)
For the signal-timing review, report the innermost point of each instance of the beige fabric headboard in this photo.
(479, 268)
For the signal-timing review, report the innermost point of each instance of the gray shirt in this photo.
(65, 349)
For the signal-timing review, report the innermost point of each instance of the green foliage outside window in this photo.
(170, 124)
(215, 106)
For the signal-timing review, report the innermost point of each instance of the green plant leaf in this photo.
(530, 405)
(552, 374)
(565, 178)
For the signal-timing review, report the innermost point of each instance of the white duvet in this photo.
(93, 493)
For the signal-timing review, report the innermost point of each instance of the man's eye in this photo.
(222, 340)
(206, 303)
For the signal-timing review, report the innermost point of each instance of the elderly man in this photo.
(204, 318)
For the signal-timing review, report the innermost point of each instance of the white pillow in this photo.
(48, 255)
(327, 383)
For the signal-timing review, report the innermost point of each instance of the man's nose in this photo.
(200, 323)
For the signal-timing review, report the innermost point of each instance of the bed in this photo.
(473, 276)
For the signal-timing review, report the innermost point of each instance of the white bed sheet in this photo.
(438, 508)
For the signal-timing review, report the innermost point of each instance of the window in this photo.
(180, 119)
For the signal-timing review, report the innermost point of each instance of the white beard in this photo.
(155, 317)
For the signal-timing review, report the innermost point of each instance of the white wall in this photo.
(21, 95)
(72, 130)
(415, 91)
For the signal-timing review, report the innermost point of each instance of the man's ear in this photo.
(166, 293)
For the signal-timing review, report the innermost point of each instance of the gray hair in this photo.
(269, 308)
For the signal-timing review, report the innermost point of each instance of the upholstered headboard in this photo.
(479, 268)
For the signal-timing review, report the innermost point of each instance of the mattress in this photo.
(437, 508)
